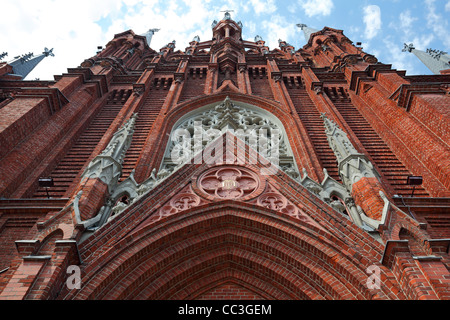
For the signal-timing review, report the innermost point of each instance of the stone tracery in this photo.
(258, 129)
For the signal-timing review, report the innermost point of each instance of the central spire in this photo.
(227, 14)
(227, 28)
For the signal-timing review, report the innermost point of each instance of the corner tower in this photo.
(229, 166)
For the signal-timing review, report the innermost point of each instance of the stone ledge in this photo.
(37, 258)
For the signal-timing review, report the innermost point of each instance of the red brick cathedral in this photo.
(229, 170)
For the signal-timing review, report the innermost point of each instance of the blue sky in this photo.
(75, 28)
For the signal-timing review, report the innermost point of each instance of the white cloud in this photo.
(277, 28)
(447, 6)
(406, 20)
(193, 18)
(67, 26)
(263, 6)
(422, 42)
(372, 20)
(317, 7)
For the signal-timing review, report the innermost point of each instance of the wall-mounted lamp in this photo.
(414, 181)
(46, 183)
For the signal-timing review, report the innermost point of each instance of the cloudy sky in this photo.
(76, 28)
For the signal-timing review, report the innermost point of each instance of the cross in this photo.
(301, 25)
(227, 13)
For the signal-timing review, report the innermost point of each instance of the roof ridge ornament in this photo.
(227, 15)
(306, 30)
(48, 52)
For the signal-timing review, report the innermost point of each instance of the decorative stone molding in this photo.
(179, 77)
(229, 183)
(370, 59)
(183, 201)
(274, 200)
(138, 89)
(201, 127)
(87, 63)
(329, 189)
(276, 76)
(352, 165)
(351, 59)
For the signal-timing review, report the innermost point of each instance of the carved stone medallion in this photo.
(229, 182)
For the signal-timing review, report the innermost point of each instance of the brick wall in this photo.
(229, 291)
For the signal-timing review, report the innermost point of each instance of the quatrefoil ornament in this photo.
(230, 183)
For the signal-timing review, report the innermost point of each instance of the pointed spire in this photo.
(149, 34)
(307, 30)
(23, 65)
(352, 165)
(434, 60)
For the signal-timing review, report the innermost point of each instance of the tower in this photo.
(23, 65)
(229, 168)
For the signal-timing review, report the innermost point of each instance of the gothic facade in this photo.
(228, 170)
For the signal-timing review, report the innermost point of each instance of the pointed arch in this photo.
(302, 151)
(189, 253)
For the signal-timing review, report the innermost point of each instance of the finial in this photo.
(171, 45)
(25, 57)
(258, 38)
(48, 52)
(227, 14)
(196, 39)
(301, 25)
(436, 54)
(408, 47)
(149, 35)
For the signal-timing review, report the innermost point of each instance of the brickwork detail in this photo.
(140, 225)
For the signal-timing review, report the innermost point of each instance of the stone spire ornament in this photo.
(149, 35)
(435, 60)
(307, 31)
(24, 64)
(352, 165)
(107, 166)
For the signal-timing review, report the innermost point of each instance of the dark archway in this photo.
(190, 253)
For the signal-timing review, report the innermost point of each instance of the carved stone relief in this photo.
(229, 183)
(197, 131)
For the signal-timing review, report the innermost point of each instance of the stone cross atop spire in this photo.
(307, 31)
(434, 60)
(227, 14)
(23, 65)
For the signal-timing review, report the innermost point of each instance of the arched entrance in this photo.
(227, 244)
